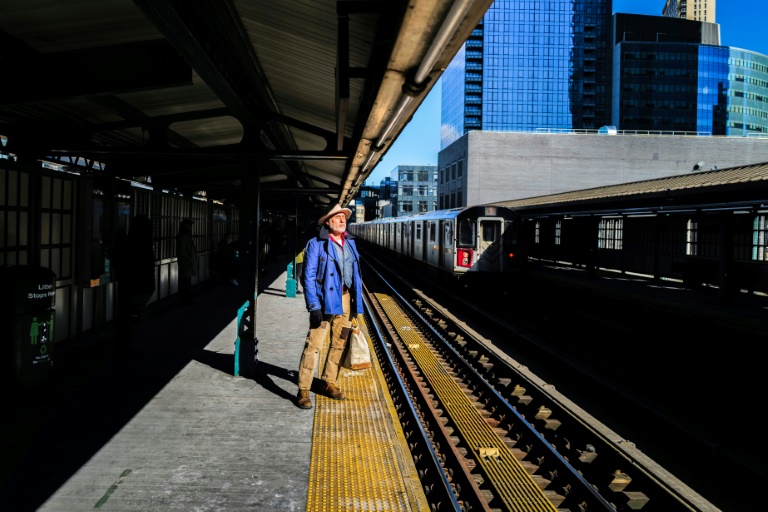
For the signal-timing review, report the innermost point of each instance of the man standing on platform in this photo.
(333, 291)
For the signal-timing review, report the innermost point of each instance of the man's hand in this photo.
(315, 318)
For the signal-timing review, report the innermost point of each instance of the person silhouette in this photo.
(186, 256)
(135, 276)
(227, 259)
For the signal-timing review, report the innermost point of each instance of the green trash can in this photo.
(290, 282)
(27, 321)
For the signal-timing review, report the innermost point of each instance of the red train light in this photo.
(464, 258)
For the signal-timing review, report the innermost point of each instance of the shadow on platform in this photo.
(93, 392)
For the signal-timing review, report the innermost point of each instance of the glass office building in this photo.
(666, 78)
(747, 92)
(531, 64)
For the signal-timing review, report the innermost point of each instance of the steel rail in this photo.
(602, 454)
(439, 495)
(592, 498)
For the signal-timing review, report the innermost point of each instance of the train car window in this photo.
(448, 233)
(510, 233)
(490, 231)
(466, 233)
(418, 231)
(432, 234)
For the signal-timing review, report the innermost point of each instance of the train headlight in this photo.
(464, 258)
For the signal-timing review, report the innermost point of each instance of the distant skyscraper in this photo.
(531, 64)
(698, 10)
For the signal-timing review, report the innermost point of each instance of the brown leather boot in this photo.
(333, 392)
(302, 399)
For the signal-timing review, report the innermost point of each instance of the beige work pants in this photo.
(340, 326)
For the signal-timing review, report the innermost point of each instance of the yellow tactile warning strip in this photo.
(360, 458)
(514, 485)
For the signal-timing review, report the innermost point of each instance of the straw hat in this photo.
(336, 209)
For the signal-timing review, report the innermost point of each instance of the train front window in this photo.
(490, 231)
(466, 233)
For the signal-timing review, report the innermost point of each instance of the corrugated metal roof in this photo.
(198, 95)
(754, 175)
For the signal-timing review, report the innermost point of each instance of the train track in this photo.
(493, 425)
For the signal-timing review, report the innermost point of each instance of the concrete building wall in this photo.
(447, 187)
(503, 166)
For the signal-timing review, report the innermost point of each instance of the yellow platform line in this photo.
(515, 487)
(360, 459)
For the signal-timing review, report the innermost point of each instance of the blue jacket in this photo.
(321, 277)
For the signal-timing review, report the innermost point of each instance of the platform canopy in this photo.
(198, 96)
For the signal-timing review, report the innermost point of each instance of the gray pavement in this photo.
(169, 427)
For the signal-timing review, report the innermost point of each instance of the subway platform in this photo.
(169, 426)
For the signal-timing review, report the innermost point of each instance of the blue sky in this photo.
(741, 25)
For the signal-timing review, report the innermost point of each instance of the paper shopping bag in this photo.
(358, 355)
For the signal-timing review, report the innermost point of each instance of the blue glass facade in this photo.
(452, 101)
(531, 64)
(711, 90)
(747, 95)
(690, 87)
(656, 89)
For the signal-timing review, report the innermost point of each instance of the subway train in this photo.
(466, 242)
(706, 230)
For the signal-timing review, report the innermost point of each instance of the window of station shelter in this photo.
(760, 238)
(57, 226)
(610, 233)
(691, 237)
